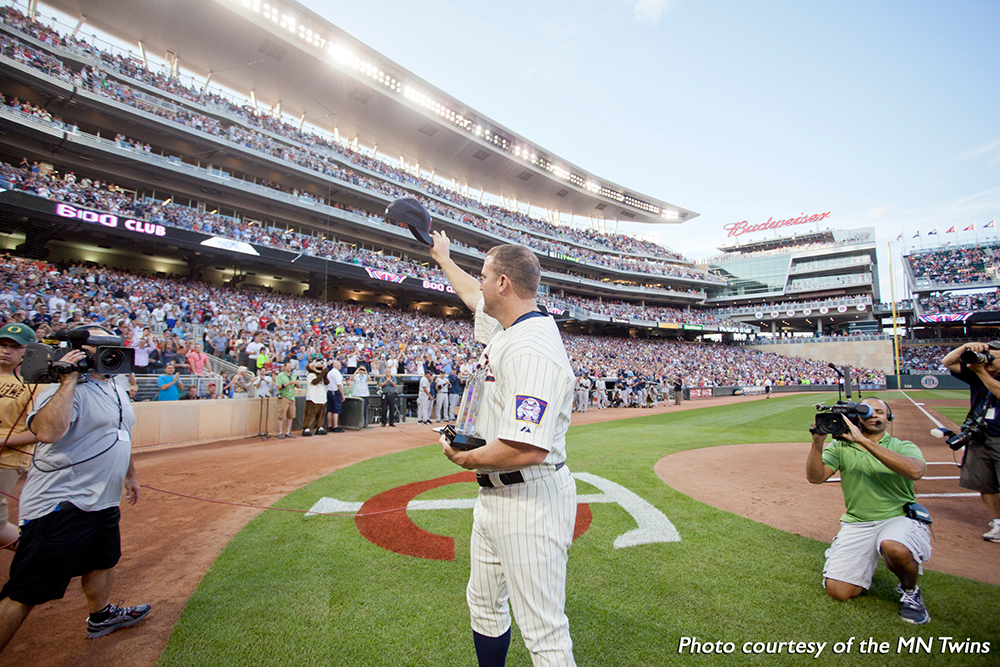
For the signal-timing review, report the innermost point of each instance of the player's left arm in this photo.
(907, 466)
(496, 455)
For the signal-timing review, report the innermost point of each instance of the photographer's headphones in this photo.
(888, 408)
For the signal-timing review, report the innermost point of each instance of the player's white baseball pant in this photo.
(520, 537)
(423, 408)
(441, 406)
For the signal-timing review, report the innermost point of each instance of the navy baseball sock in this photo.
(491, 651)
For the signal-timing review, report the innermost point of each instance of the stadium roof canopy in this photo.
(290, 55)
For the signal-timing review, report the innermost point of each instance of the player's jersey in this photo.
(528, 393)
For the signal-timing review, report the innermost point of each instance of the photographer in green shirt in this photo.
(877, 473)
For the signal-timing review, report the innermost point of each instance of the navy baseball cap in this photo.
(414, 215)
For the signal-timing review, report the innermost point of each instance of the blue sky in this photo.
(884, 113)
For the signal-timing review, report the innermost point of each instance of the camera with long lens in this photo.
(42, 363)
(830, 419)
(970, 357)
(971, 432)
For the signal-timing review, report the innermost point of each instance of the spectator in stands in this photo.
(197, 359)
(170, 384)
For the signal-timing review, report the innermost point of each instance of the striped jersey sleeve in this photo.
(536, 391)
(486, 326)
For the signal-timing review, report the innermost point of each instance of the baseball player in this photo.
(582, 391)
(526, 510)
(602, 392)
(424, 399)
(441, 400)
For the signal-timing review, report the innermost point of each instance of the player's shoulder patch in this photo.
(529, 409)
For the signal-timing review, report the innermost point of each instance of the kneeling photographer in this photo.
(978, 365)
(68, 508)
(877, 472)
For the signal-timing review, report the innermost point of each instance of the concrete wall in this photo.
(185, 421)
(858, 353)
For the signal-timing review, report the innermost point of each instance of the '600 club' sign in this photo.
(110, 220)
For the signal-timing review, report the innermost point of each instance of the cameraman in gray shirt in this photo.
(83, 462)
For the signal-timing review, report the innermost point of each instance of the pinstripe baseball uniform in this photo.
(522, 530)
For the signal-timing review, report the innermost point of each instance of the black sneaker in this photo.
(912, 609)
(118, 618)
(337, 430)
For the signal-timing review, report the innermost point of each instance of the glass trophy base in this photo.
(462, 441)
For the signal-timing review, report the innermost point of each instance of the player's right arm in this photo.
(466, 286)
(817, 472)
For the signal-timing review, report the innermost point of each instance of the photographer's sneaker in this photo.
(912, 609)
(118, 618)
(993, 534)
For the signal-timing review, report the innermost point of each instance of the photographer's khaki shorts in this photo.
(286, 408)
(8, 478)
(853, 556)
(981, 467)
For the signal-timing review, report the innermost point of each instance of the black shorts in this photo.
(59, 546)
(334, 403)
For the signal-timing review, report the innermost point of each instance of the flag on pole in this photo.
(989, 224)
(951, 230)
(970, 228)
(900, 237)
(917, 235)
(933, 232)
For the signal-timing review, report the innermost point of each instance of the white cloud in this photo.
(650, 11)
(979, 151)
(878, 212)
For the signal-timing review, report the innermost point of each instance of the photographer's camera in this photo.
(42, 363)
(830, 419)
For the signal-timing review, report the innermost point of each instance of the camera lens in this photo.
(112, 361)
(972, 357)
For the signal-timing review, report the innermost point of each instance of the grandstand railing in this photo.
(149, 389)
(807, 284)
(829, 264)
(798, 305)
(763, 340)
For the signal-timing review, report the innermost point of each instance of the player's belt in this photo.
(504, 478)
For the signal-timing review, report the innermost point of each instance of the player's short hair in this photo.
(520, 265)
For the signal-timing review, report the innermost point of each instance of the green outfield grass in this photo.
(295, 590)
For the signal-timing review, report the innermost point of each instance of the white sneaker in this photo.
(993, 535)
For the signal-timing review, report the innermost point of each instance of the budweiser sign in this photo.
(744, 227)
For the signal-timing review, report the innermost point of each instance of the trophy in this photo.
(464, 435)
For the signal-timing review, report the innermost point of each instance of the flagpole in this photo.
(895, 326)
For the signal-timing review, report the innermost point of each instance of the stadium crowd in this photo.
(639, 312)
(83, 191)
(315, 152)
(959, 302)
(962, 265)
(923, 358)
(167, 318)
